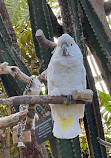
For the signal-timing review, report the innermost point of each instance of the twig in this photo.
(103, 142)
(43, 41)
(12, 119)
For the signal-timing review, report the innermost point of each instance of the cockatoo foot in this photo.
(55, 92)
(69, 99)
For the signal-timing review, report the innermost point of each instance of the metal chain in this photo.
(28, 86)
(20, 128)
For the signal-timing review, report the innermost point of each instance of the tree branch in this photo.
(86, 95)
(14, 71)
(103, 142)
(13, 119)
(41, 99)
(17, 73)
(43, 76)
(43, 41)
(4, 147)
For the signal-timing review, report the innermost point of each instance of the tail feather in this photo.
(65, 128)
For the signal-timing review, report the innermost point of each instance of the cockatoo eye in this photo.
(71, 44)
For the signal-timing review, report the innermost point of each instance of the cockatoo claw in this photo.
(69, 99)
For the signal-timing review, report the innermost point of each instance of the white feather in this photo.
(66, 74)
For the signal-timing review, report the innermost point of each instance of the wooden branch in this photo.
(43, 41)
(6, 150)
(43, 76)
(17, 73)
(103, 142)
(26, 135)
(41, 99)
(30, 117)
(86, 95)
(12, 119)
(7, 137)
(14, 71)
(33, 88)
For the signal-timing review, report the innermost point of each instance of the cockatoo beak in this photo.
(65, 50)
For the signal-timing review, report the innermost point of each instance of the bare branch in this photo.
(41, 99)
(103, 142)
(30, 117)
(12, 119)
(43, 76)
(4, 147)
(86, 95)
(33, 88)
(43, 41)
(14, 71)
(17, 73)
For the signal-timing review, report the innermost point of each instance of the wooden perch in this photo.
(43, 41)
(86, 95)
(13, 119)
(103, 142)
(30, 117)
(14, 71)
(17, 73)
(41, 99)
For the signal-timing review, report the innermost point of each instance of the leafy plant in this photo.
(105, 100)
(18, 11)
(25, 42)
(105, 103)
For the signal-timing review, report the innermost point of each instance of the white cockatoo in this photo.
(65, 74)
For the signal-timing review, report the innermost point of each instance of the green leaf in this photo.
(104, 98)
(23, 41)
(28, 38)
(108, 108)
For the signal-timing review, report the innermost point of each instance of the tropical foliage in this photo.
(25, 42)
(18, 11)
